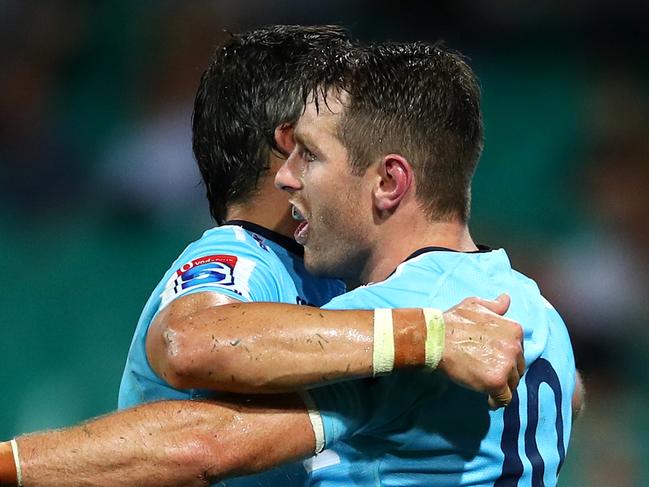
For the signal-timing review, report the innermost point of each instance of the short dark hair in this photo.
(251, 87)
(417, 99)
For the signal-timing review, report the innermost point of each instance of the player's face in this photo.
(333, 205)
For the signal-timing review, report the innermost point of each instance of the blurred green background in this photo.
(99, 193)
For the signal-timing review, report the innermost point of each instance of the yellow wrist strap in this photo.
(435, 337)
(383, 355)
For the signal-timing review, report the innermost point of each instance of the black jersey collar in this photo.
(481, 249)
(425, 250)
(281, 240)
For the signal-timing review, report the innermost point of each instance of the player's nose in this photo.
(286, 179)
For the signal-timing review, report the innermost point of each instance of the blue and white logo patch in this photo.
(226, 271)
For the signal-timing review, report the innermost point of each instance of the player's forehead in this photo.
(320, 118)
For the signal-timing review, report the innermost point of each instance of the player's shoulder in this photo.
(413, 279)
(421, 273)
(226, 259)
(432, 264)
(233, 235)
(229, 240)
(227, 244)
(531, 288)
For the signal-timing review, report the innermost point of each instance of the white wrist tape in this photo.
(383, 356)
(435, 337)
(316, 421)
(19, 471)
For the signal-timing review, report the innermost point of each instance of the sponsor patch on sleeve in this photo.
(220, 270)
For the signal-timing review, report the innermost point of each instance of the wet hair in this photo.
(419, 100)
(251, 87)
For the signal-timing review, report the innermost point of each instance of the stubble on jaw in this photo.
(339, 248)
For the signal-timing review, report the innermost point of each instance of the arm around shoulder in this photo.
(211, 342)
(170, 443)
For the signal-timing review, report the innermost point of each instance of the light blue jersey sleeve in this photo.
(229, 261)
(226, 260)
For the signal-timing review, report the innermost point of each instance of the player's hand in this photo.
(483, 350)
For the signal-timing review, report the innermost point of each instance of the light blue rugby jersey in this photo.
(240, 260)
(419, 429)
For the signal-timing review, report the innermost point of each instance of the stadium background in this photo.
(98, 191)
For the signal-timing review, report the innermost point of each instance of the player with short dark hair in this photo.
(440, 129)
(250, 88)
(416, 106)
(430, 114)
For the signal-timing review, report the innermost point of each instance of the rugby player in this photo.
(333, 336)
(381, 176)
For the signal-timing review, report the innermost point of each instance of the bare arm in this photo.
(258, 347)
(169, 443)
(270, 348)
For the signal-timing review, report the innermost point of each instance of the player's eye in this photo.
(308, 156)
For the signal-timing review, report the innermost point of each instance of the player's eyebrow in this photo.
(298, 137)
(305, 140)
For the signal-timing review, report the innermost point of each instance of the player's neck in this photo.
(264, 215)
(268, 206)
(396, 244)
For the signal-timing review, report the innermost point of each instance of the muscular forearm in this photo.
(269, 347)
(170, 443)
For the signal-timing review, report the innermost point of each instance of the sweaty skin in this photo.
(173, 444)
(270, 347)
(196, 443)
(170, 444)
(182, 443)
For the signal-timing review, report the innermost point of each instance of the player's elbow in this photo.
(186, 359)
(211, 460)
(176, 370)
(172, 354)
(202, 459)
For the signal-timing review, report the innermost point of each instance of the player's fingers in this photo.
(501, 398)
(505, 301)
(499, 305)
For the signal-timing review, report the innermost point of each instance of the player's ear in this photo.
(395, 178)
(284, 138)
